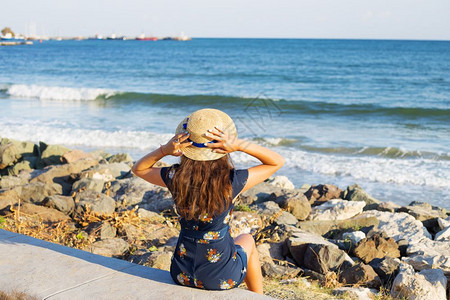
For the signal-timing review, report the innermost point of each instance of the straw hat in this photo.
(197, 125)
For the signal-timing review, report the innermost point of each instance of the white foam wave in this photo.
(56, 93)
(417, 171)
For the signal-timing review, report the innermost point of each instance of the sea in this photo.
(371, 112)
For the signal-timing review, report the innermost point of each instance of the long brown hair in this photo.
(202, 187)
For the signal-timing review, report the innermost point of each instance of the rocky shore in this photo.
(346, 240)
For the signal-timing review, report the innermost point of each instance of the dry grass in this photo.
(16, 295)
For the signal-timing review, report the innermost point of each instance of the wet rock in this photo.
(120, 158)
(74, 155)
(336, 209)
(9, 154)
(51, 154)
(317, 194)
(88, 184)
(244, 222)
(109, 247)
(99, 203)
(386, 268)
(323, 258)
(399, 226)
(356, 193)
(64, 204)
(388, 206)
(425, 285)
(107, 172)
(354, 293)
(273, 264)
(355, 223)
(150, 216)
(360, 274)
(47, 214)
(281, 182)
(376, 247)
(443, 235)
(354, 237)
(101, 229)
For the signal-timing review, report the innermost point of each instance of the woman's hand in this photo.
(175, 144)
(225, 143)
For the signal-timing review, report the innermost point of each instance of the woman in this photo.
(204, 186)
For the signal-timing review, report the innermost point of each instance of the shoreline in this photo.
(335, 237)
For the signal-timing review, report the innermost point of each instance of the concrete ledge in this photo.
(52, 271)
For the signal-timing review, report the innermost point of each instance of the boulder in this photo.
(150, 216)
(25, 149)
(107, 172)
(74, 155)
(120, 158)
(259, 193)
(429, 254)
(443, 223)
(323, 258)
(151, 234)
(355, 223)
(101, 229)
(99, 203)
(376, 247)
(386, 268)
(443, 235)
(45, 213)
(11, 181)
(108, 247)
(273, 264)
(88, 184)
(426, 213)
(9, 154)
(354, 237)
(317, 194)
(36, 192)
(356, 193)
(28, 163)
(51, 154)
(160, 258)
(267, 208)
(354, 293)
(244, 222)
(399, 226)
(388, 206)
(425, 285)
(281, 182)
(8, 197)
(286, 219)
(360, 274)
(64, 204)
(293, 202)
(336, 209)
(131, 191)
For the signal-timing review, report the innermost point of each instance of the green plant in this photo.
(2, 221)
(242, 207)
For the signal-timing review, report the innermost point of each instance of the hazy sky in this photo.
(390, 19)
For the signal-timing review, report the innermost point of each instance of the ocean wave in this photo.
(56, 93)
(376, 168)
(245, 104)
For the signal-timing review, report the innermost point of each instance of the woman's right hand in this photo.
(175, 145)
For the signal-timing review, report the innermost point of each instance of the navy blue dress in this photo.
(206, 256)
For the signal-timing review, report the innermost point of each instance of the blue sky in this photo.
(377, 19)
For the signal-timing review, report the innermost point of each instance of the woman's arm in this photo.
(270, 160)
(144, 167)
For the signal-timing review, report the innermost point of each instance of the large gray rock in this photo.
(46, 214)
(88, 184)
(267, 208)
(64, 204)
(150, 216)
(28, 163)
(99, 203)
(119, 158)
(423, 211)
(293, 202)
(388, 206)
(273, 264)
(323, 258)
(355, 223)
(429, 254)
(443, 223)
(318, 194)
(281, 182)
(336, 209)
(107, 172)
(101, 229)
(33, 192)
(152, 234)
(376, 247)
(425, 285)
(11, 181)
(51, 154)
(356, 193)
(9, 154)
(109, 247)
(259, 193)
(399, 226)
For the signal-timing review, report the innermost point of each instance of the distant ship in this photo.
(142, 37)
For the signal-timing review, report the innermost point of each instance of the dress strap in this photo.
(205, 235)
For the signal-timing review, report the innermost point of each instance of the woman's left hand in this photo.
(175, 145)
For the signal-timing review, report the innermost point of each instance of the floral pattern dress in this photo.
(205, 256)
